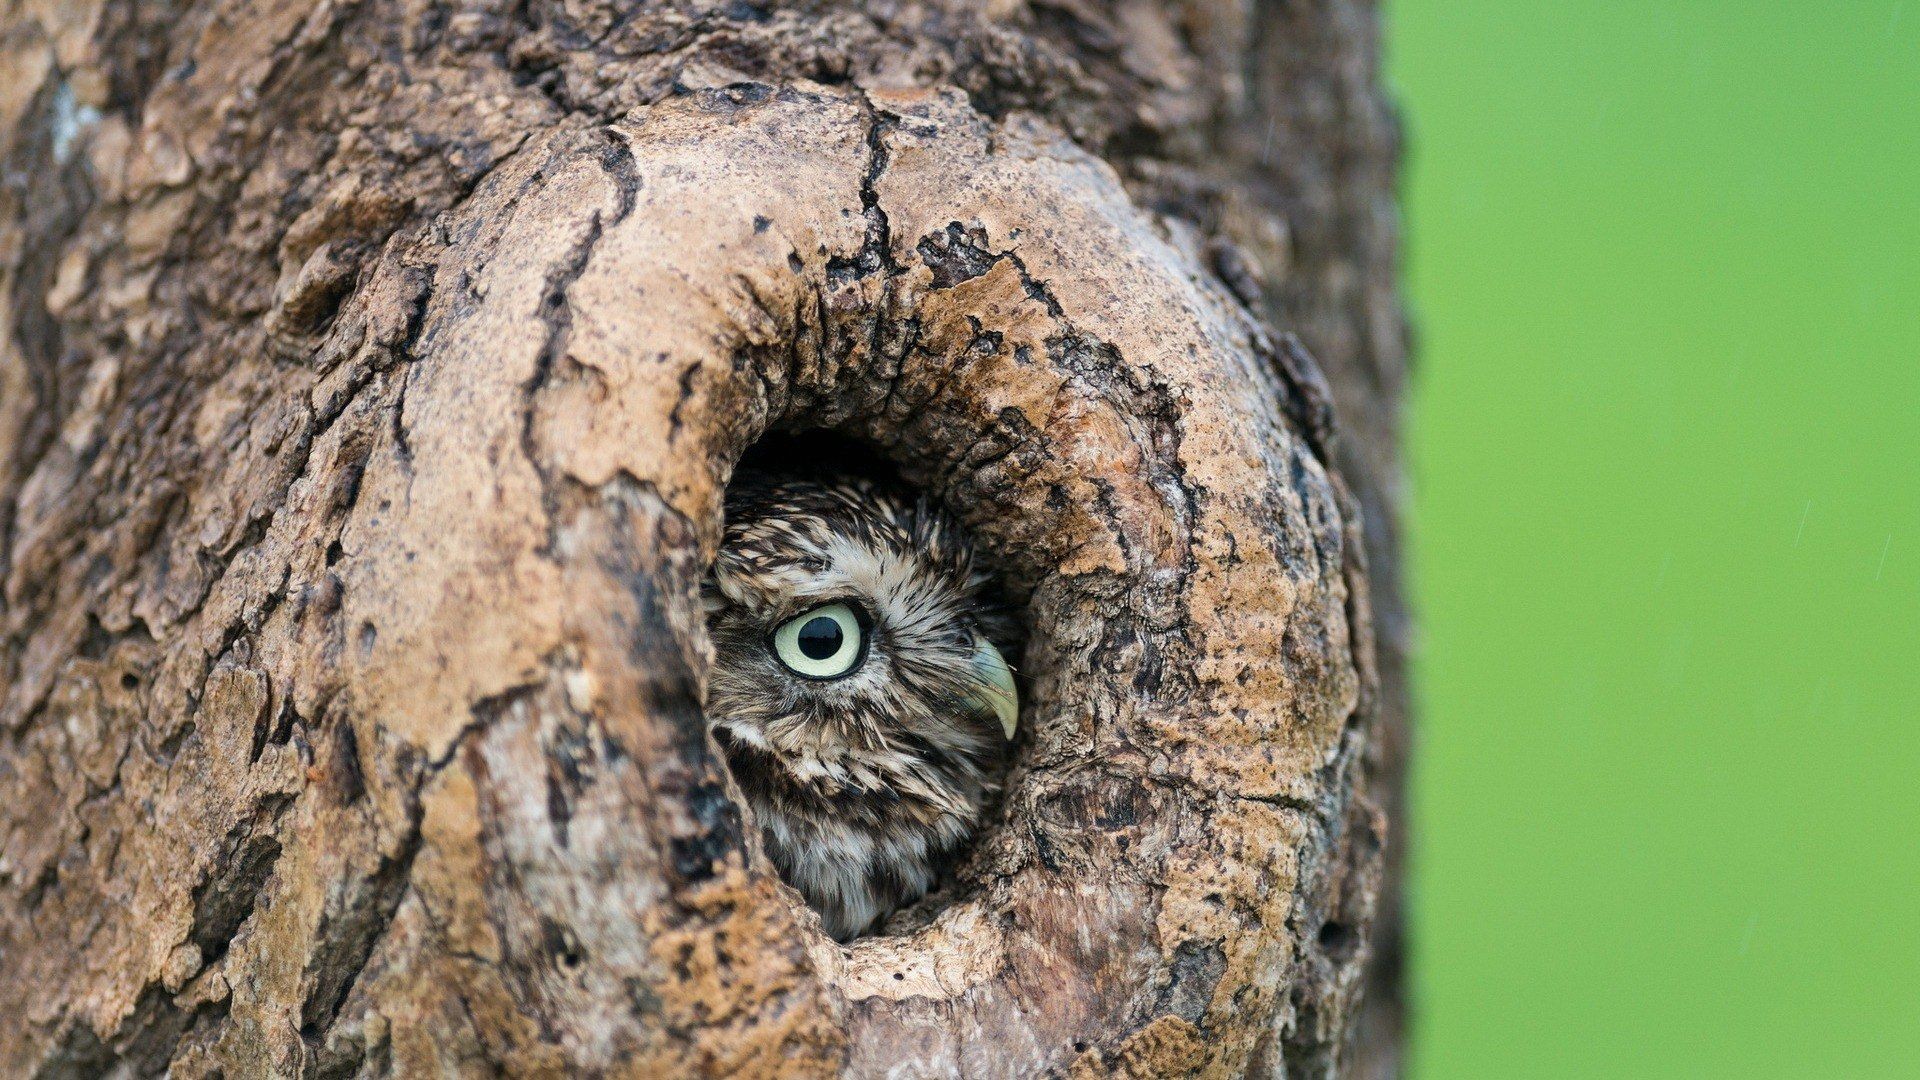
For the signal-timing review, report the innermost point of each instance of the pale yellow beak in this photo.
(996, 690)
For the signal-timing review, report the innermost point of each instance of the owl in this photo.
(859, 689)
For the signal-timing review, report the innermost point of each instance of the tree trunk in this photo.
(371, 376)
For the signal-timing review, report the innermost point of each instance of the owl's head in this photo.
(853, 633)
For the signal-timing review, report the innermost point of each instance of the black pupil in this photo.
(820, 638)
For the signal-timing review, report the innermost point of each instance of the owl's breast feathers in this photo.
(858, 844)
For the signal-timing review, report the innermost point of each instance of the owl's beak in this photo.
(996, 690)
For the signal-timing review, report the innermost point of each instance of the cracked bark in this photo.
(371, 372)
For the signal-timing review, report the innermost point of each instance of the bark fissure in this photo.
(555, 312)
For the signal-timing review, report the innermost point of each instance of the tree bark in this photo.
(371, 375)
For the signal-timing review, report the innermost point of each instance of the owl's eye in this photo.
(824, 643)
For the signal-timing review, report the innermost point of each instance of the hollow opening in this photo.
(818, 455)
(865, 689)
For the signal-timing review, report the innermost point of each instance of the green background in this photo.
(1664, 261)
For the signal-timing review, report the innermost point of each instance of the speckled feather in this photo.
(865, 786)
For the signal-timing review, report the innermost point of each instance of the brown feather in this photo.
(864, 786)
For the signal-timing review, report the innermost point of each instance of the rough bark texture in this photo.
(370, 377)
